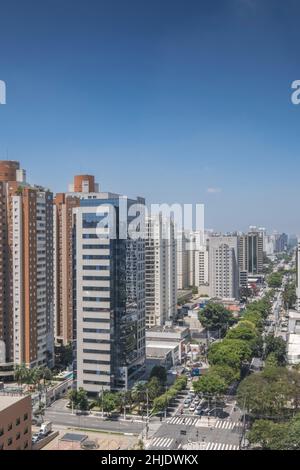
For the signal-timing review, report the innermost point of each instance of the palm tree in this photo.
(20, 374)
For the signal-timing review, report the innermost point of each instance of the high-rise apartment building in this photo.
(64, 267)
(26, 269)
(201, 266)
(160, 271)
(183, 277)
(109, 293)
(251, 251)
(223, 267)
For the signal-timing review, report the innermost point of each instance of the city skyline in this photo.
(160, 102)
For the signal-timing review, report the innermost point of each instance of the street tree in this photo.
(276, 345)
(231, 352)
(210, 384)
(215, 316)
(159, 372)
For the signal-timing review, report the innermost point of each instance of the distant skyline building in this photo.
(250, 253)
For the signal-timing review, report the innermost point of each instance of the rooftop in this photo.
(294, 314)
(9, 400)
(167, 329)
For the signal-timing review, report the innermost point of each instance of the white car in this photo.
(192, 407)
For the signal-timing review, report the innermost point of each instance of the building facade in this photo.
(183, 278)
(110, 294)
(223, 267)
(160, 271)
(64, 267)
(15, 422)
(27, 269)
(251, 251)
(201, 267)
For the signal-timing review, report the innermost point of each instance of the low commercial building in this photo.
(15, 422)
(166, 345)
(293, 344)
(293, 349)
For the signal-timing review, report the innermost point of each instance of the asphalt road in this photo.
(209, 433)
(92, 422)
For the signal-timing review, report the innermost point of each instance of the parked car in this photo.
(192, 407)
(35, 437)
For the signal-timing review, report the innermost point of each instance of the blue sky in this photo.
(178, 101)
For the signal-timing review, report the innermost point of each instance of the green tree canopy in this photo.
(159, 372)
(275, 279)
(267, 393)
(276, 345)
(231, 352)
(276, 436)
(215, 316)
(226, 372)
(210, 384)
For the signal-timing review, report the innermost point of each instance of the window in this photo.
(18, 436)
(18, 421)
(9, 428)
(95, 256)
(90, 220)
(26, 431)
(1, 431)
(25, 416)
(9, 441)
(96, 288)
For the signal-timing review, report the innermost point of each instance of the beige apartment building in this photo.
(160, 271)
(26, 270)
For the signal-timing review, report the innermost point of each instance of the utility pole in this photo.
(147, 417)
(244, 424)
(124, 406)
(102, 402)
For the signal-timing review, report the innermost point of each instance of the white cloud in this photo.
(213, 190)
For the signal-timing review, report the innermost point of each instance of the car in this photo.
(198, 412)
(188, 400)
(186, 405)
(192, 407)
(35, 437)
(196, 400)
(199, 407)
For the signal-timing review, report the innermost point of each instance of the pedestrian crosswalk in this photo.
(161, 442)
(220, 446)
(181, 420)
(222, 424)
(204, 422)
